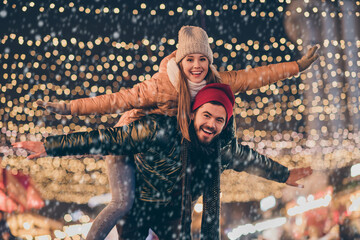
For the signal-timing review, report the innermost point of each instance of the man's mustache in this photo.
(210, 129)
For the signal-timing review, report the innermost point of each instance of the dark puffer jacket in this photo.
(156, 143)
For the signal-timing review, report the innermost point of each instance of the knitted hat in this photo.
(193, 40)
(217, 92)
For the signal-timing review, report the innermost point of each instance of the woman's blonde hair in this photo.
(184, 101)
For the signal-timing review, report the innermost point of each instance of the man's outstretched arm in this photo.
(243, 158)
(127, 140)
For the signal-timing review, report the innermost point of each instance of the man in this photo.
(171, 172)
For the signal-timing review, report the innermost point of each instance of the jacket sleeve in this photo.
(127, 140)
(253, 78)
(243, 158)
(142, 95)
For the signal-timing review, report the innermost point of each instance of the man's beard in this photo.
(206, 144)
(196, 141)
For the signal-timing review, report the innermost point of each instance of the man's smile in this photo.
(207, 131)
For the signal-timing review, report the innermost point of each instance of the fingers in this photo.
(294, 184)
(34, 156)
(27, 145)
(304, 172)
(23, 145)
(313, 58)
(17, 145)
(308, 171)
(40, 102)
(312, 51)
(35, 147)
(298, 174)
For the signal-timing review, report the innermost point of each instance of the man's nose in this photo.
(212, 123)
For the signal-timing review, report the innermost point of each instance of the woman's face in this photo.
(195, 67)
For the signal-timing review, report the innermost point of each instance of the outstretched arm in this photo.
(127, 140)
(243, 158)
(141, 95)
(254, 78)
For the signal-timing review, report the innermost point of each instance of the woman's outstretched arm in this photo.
(254, 78)
(142, 95)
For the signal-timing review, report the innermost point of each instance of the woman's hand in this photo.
(36, 147)
(61, 108)
(297, 174)
(308, 59)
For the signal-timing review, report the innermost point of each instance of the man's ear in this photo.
(192, 116)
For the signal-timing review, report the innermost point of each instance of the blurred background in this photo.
(64, 50)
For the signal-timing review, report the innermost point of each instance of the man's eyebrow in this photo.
(211, 115)
(207, 113)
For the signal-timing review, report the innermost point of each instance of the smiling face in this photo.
(209, 121)
(195, 67)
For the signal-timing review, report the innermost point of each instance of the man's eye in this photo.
(220, 120)
(203, 59)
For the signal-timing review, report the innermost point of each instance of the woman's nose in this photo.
(196, 63)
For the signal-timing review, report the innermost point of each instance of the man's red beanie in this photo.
(217, 92)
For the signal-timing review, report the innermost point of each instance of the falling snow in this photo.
(78, 49)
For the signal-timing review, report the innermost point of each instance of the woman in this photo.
(169, 92)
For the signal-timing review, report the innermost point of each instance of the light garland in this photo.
(269, 119)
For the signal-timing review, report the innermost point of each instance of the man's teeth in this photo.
(209, 132)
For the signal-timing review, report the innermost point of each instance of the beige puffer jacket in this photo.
(159, 94)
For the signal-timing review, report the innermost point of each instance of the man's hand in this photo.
(297, 174)
(61, 108)
(5, 235)
(308, 59)
(36, 147)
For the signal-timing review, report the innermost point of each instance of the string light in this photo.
(86, 71)
(106, 9)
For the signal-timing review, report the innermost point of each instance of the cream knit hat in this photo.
(193, 40)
